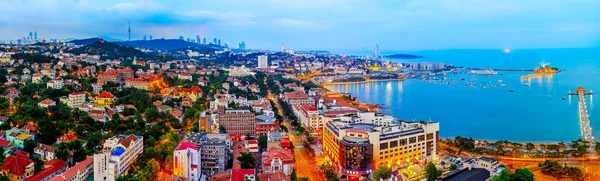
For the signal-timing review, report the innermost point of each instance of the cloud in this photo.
(294, 23)
(122, 7)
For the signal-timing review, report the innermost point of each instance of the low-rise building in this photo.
(297, 97)
(46, 152)
(79, 172)
(186, 160)
(51, 169)
(117, 156)
(17, 167)
(47, 103)
(104, 99)
(17, 137)
(278, 160)
(264, 125)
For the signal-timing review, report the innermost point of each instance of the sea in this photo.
(534, 112)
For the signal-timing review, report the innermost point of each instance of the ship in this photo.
(510, 90)
(483, 72)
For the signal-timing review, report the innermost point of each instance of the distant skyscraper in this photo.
(180, 37)
(219, 42)
(150, 37)
(376, 52)
(198, 39)
(283, 48)
(129, 31)
(188, 40)
(144, 37)
(204, 41)
(226, 45)
(242, 45)
(35, 36)
(30, 34)
(263, 61)
(214, 40)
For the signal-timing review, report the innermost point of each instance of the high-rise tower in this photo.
(129, 30)
(376, 52)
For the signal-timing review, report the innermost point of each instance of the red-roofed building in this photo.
(107, 76)
(46, 103)
(277, 176)
(104, 99)
(17, 167)
(66, 138)
(308, 115)
(6, 145)
(51, 169)
(186, 160)
(78, 172)
(278, 159)
(193, 93)
(285, 142)
(242, 174)
(297, 97)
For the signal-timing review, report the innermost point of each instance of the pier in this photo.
(586, 129)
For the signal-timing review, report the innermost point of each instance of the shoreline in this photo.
(359, 82)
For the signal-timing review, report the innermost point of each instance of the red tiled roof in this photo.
(285, 155)
(309, 108)
(47, 102)
(76, 93)
(238, 174)
(127, 141)
(185, 145)
(51, 167)
(15, 165)
(105, 94)
(340, 112)
(66, 138)
(4, 143)
(295, 95)
(72, 172)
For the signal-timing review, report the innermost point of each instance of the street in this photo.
(305, 163)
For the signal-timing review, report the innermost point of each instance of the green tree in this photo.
(222, 129)
(29, 145)
(293, 176)
(522, 174)
(39, 164)
(246, 160)
(383, 172)
(262, 141)
(195, 126)
(529, 146)
(2, 156)
(453, 167)
(503, 176)
(4, 178)
(431, 172)
(303, 179)
(330, 175)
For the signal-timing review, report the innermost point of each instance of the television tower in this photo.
(129, 30)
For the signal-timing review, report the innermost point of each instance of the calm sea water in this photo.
(534, 113)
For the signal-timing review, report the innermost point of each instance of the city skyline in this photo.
(330, 25)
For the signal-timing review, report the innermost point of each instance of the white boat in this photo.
(483, 72)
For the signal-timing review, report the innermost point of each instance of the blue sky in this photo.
(318, 24)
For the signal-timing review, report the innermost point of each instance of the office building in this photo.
(356, 149)
(117, 156)
(238, 122)
(263, 61)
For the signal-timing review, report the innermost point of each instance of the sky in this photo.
(318, 24)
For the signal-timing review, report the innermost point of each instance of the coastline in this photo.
(359, 82)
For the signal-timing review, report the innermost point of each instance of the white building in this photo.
(263, 61)
(117, 156)
(56, 83)
(186, 160)
(76, 99)
(240, 71)
(309, 116)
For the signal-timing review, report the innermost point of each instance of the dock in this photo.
(584, 120)
(504, 69)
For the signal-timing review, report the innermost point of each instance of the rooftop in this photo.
(475, 174)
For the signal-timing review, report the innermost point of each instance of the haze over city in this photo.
(317, 24)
